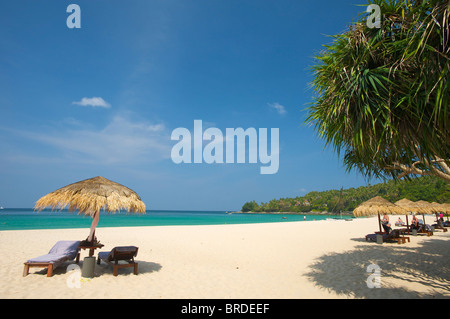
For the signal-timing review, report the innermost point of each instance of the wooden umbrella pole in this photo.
(93, 225)
(407, 224)
(379, 222)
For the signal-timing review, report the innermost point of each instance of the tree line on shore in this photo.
(428, 188)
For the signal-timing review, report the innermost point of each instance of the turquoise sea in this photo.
(26, 218)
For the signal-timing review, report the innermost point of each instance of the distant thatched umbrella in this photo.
(407, 204)
(90, 196)
(425, 207)
(438, 208)
(445, 208)
(419, 207)
(376, 206)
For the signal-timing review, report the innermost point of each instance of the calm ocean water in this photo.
(20, 219)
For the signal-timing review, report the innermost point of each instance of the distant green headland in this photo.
(428, 188)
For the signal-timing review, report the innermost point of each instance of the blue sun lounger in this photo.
(63, 251)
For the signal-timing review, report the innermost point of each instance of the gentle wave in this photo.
(22, 219)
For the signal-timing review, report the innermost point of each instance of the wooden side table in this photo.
(91, 249)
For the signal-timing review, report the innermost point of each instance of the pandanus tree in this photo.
(382, 94)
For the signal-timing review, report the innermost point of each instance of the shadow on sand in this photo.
(426, 269)
(143, 268)
(103, 268)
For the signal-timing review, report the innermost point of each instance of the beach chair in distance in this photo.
(425, 229)
(394, 235)
(439, 225)
(61, 252)
(121, 253)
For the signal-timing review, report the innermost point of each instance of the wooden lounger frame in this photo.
(49, 266)
(120, 255)
(401, 239)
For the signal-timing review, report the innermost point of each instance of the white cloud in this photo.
(121, 141)
(155, 128)
(277, 106)
(93, 101)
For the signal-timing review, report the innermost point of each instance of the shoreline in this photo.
(297, 213)
(242, 261)
(29, 220)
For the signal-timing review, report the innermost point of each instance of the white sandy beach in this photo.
(313, 259)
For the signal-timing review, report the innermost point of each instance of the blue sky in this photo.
(154, 66)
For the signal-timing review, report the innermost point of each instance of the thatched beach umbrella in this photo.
(419, 207)
(444, 208)
(92, 195)
(440, 208)
(426, 207)
(409, 206)
(376, 206)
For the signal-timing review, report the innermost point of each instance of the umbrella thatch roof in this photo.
(91, 195)
(404, 202)
(446, 208)
(426, 207)
(423, 207)
(409, 205)
(441, 208)
(378, 205)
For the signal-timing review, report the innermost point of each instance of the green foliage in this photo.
(382, 94)
(249, 206)
(428, 188)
